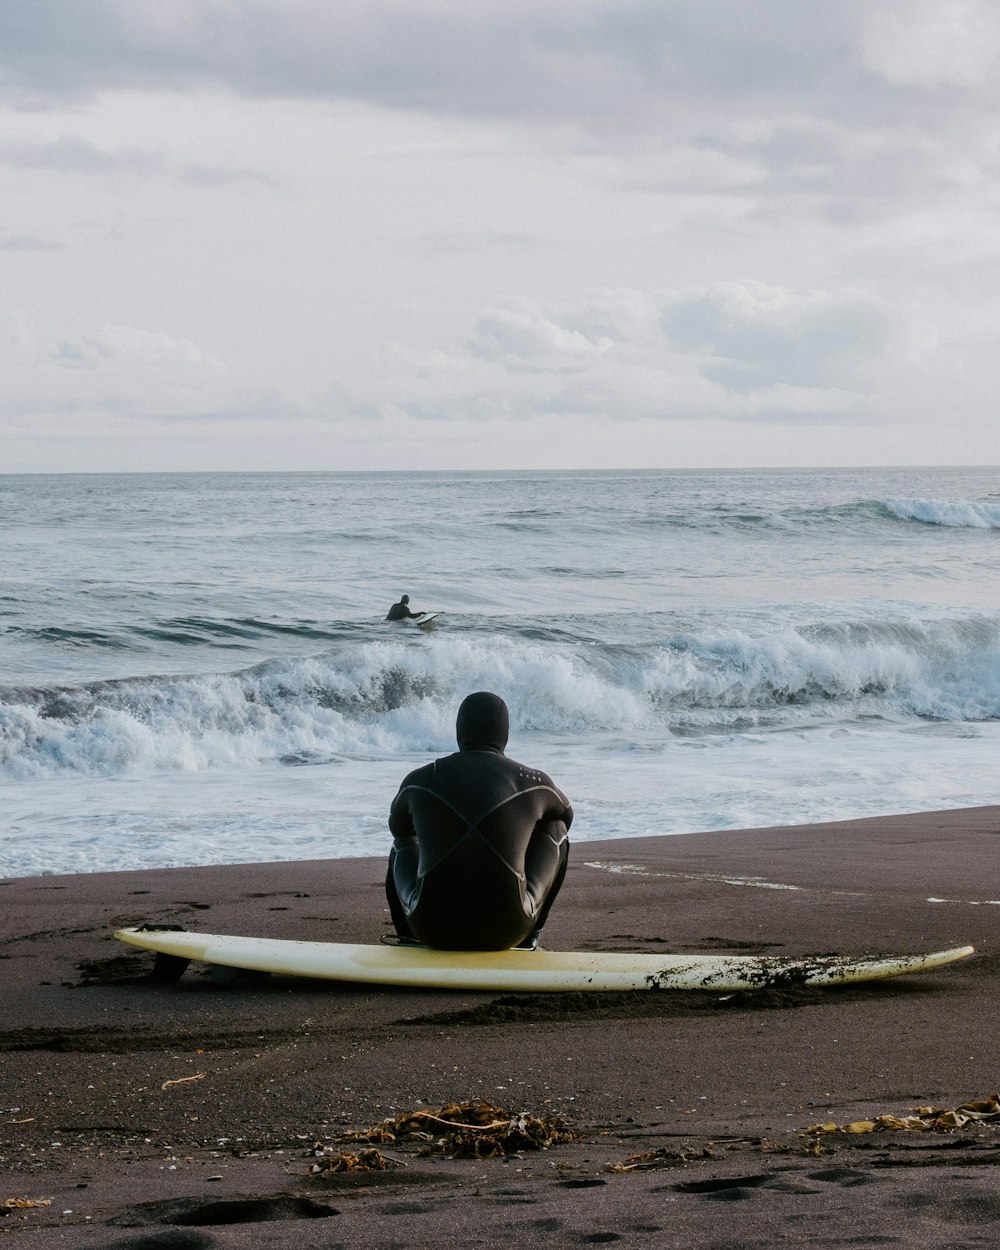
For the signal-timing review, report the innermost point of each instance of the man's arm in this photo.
(560, 808)
(400, 817)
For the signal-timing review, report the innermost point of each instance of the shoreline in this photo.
(167, 1099)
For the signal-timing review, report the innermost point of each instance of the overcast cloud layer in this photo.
(459, 233)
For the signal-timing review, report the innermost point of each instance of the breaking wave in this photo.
(376, 699)
(957, 514)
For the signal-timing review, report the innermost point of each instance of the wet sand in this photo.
(186, 1115)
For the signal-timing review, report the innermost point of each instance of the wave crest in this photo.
(379, 699)
(957, 514)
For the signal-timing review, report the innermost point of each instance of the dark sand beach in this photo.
(186, 1115)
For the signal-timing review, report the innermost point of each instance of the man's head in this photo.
(405, 599)
(483, 723)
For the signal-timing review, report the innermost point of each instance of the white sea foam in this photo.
(620, 786)
(960, 514)
(386, 698)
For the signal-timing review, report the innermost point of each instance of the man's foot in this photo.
(394, 939)
(530, 943)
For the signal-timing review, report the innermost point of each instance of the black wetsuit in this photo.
(479, 842)
(401, 611)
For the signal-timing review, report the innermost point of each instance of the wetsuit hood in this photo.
(483, 723)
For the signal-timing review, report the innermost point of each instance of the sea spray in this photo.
(394, 697)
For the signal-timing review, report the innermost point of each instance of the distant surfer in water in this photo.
(401, 611)
(480, 842)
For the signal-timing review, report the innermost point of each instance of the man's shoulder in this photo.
(425, 773)
(528, 777)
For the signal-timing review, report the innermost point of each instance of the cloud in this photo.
(27, 243)
(754, 336)
(823, 107)
(526, 336)
(72, 154)
(125, 378)
(838, 111)
(553, 208)
(933, 43)
(585, 60)
(115, 346)
(110, 368)
(732, 351)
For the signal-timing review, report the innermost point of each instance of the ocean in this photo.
(196, 668)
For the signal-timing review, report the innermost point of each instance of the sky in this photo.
(498, 234)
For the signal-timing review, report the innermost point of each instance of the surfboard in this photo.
(541, 971)
(428, 621)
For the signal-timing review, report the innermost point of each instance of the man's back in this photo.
(479, 841)
(475, 796)
(401, 611)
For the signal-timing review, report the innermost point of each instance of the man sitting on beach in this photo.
(401, 611)
(480, 842)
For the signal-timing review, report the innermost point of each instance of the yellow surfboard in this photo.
(541, 971)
